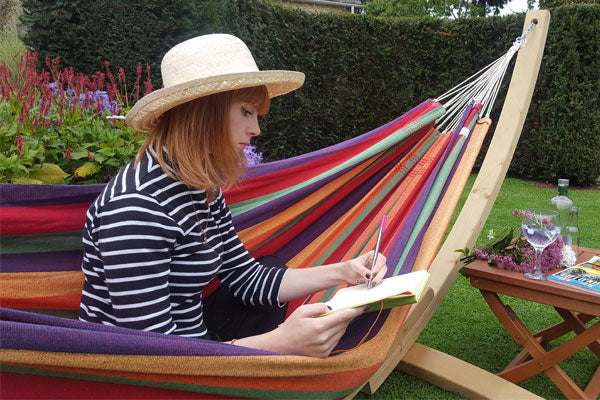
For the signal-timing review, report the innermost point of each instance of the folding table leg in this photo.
(540, 362)
(578, 326)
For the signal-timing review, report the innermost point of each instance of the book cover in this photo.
(584, 276)
(393, 292)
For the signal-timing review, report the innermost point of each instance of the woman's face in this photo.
(243, 123)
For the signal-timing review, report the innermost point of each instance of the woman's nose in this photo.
(254, 129)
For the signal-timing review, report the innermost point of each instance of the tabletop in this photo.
(486, 277)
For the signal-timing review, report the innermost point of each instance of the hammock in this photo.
(314, 209)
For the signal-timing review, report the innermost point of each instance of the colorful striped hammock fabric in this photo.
(314, 209)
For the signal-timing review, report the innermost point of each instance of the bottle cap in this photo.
(563, 181)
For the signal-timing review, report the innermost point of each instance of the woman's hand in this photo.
(303, 334)
(357, 270)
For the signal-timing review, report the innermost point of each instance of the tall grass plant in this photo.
(11, 49)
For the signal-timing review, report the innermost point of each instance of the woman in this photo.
(161, 231)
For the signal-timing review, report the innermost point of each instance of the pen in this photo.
(381, 228)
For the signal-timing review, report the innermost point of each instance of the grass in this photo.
(466, 328)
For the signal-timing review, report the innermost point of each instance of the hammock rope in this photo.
(480, 88)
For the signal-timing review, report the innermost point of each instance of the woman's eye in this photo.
(246, 112)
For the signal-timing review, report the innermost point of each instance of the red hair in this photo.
(198, 143)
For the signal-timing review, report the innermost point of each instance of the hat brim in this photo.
(144, 114)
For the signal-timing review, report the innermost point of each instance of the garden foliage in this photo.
(60, 127)
(361, 71)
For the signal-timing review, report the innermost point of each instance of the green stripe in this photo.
(42, 242)
(286, 227)
(391, 140)
(369, 207)
(432, 198)
(225, 391)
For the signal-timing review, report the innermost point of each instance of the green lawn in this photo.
(466, 328)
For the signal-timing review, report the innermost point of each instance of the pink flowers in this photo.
(514, 253)
(551, 257)
(20, 142)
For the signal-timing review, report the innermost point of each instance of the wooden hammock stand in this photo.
(424, 362)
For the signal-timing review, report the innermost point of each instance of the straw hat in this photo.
(205, 65)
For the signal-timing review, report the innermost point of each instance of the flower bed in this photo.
(64, 127)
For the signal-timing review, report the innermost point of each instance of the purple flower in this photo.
(252, 156)
(481, 254)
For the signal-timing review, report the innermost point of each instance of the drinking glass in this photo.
(541, 228)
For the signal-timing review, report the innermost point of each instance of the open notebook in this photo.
(393, 292)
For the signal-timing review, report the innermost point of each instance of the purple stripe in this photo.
(274, 207)
(359, 328)
(68, 260)
(264, 169)
(296, 245)
(416, 210)
(402, 239)
(27, 331)
(16, 195)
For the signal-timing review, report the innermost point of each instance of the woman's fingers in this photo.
(360, 269)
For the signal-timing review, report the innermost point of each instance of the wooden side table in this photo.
(576, 307)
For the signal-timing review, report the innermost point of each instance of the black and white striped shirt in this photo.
(151, 245)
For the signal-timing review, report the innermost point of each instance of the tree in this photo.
(558, 3)
(434, 8)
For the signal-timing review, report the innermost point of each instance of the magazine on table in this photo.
(584, 276)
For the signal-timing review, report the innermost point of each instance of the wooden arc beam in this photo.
(464, 233)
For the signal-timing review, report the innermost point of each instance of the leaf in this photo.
(464, 251)
(79, 154)
(107, 151)
(99, 157)
(88, 168)
(27, 181)
(49, 173)
(506, 240)
(113, 162)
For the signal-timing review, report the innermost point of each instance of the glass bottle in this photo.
(572, 230)
(562, 203)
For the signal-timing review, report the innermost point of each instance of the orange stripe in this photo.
(407, 195)
(402, 194)
(439, 224)
(352, 367)
(18, 285)
(405, 191)
(255, 235)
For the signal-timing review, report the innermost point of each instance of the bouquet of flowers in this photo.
(509, 250)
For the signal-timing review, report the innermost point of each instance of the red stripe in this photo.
(47, 219)
(255, 187)
(25, 386)
(276, 243)
(66, 302)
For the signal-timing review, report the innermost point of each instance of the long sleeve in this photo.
(249, 280)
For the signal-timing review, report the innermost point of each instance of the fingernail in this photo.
(368, 275)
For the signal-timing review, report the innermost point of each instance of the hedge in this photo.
(361, 71)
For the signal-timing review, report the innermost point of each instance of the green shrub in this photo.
(561, 137)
